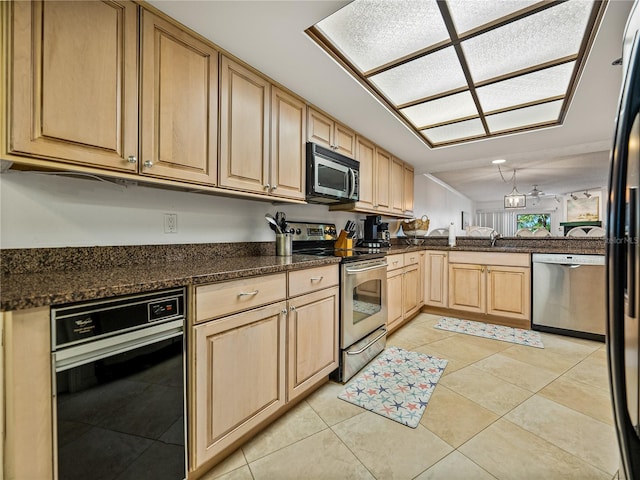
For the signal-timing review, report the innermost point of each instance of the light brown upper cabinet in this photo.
(397, 187)
(329, 133)
(74, 88)
(288, 133)
(250, 159)
(408, 189)
(383, 181)
(244, 128)
(179, 103)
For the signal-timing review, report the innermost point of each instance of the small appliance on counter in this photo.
(376, 233)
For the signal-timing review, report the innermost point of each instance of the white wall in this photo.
(441, 203)
(40, 210)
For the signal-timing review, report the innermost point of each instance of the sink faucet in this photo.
(494, 236)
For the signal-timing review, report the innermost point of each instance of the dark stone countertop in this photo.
(54, 276)
(32, 287)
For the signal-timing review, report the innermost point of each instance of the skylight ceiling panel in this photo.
(442, 110)
(455, 131)
(523, 117)
(374, 32)
(547, 83)
(551, 34)
(424, 77)
(469, 14)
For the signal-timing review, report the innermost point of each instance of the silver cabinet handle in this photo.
(283, 311)
(292, 308)
(316, 279)
(267, 187)
(246, 294)
(148, 163)
(132, 159)
(275, 187)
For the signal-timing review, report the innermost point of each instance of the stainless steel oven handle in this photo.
(358, 352)
(352, 271)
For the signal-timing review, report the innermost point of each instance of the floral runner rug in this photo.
(397, 384)
(495, 332)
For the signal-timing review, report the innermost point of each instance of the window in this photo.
(534, 221)
(462, 70)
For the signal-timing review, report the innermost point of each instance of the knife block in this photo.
(344, 243)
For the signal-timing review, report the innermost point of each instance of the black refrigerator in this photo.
(623, 257)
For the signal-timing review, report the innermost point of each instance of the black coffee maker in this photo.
(376, 233)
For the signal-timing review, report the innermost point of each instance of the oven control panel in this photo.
(313, 231)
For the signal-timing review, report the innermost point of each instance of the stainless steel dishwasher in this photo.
(569, 294)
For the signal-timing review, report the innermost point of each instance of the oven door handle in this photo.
(358, 352)
(88, 352)
(352, 271)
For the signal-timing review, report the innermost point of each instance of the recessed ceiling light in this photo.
(500, 160)
(461, 70)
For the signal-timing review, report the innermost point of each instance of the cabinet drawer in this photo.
(224, 298)
(411, 258)
(312, 279)
(395, 261)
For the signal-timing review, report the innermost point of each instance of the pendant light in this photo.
(515, 199)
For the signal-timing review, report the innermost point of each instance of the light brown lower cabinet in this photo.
(248, 365)
(27, 408)
(239, 377)
(436, 272)
(312, 331)
(403, 288)
(498, 284)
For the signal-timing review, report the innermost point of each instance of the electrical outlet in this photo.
(170, 223)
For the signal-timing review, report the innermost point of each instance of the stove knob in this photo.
(298, 231)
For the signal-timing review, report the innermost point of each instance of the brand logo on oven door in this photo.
(82, 327)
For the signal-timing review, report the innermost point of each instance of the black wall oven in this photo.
(118, 388)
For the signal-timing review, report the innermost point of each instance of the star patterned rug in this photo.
(495, 332)
(397, 384)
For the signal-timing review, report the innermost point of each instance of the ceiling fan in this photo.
(535, 192)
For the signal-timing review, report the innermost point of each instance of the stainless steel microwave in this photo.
(331, 177)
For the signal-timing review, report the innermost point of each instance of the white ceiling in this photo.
(269, 35)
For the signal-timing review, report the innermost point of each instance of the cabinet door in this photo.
(179, 104)
(344, 140)
(408, 189)
(320, 128)
(288, 135)
(509, 292)
(74, 94)
(239, 377)
(244, 124)
(435, 276)
(421, 266)
(397, 186)
(467, 287)
(383, 182)
(365, 154)
(312, 331)
(410, 290)
(394, 299)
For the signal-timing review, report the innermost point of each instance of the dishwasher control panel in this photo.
(568, 259)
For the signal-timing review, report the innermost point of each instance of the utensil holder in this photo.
(284, 244)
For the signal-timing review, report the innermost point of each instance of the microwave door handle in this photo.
(352, 190)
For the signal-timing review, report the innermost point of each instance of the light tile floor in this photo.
(500, 411)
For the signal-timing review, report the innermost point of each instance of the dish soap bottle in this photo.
(452, 235)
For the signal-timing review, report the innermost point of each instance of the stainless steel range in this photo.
(363, 294)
